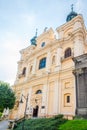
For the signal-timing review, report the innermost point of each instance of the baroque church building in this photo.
(52, 73)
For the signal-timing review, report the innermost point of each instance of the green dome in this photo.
(71, 15)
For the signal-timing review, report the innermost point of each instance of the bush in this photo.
(42, 123)
(0, 114)
(60, 116)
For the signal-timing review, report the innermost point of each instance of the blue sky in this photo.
(18, 22)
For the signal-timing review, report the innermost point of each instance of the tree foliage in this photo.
(7, 96)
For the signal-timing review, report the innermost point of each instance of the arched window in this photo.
(42, 63)
(24, 71)
(67, 53)
(53, 60)
(38, 92)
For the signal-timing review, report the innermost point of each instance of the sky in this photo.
(18, 22)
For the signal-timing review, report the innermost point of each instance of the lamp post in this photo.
(21, 101)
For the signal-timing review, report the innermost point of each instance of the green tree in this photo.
(7, 96)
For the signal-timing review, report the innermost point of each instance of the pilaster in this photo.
(59, 96)
(58, 61)
(27, 72)
(56, 94)
(44, 100)
(48, 62)
(34, 66)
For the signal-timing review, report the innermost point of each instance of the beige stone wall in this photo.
(56, 80)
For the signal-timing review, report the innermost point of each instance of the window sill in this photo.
(67, 105)
(21, 76)
(65, 59)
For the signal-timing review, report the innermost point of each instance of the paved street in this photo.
(4, 125)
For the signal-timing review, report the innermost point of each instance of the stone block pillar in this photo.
(80, 73)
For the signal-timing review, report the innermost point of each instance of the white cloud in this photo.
(79, 6)
(28, 19)
(10, 45)
(9, 56)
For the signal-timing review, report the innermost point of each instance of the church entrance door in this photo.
(35, 111)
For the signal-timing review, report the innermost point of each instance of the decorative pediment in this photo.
(46, 37)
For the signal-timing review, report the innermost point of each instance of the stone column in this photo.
(76, 90)
(59, 96)
(48, 62)
(27, 71)
(58, 61)
(56, 103)
(81, 100)
(21, 108)
(44, 100)
(47, 96)
(34, 66)
(29, 105)
(29, 97)
(74, 101)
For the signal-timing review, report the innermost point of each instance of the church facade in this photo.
(46, 81)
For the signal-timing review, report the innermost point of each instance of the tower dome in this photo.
(71, 15)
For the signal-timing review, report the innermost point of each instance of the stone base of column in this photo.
(81, 111)
(57, 68)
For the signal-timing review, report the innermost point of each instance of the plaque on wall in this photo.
(43, 107)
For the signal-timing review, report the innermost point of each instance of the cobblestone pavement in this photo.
(4, 125)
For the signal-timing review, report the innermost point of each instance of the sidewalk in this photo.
(4, 125)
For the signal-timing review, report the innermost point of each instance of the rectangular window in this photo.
(68, 99)
(42, 63)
